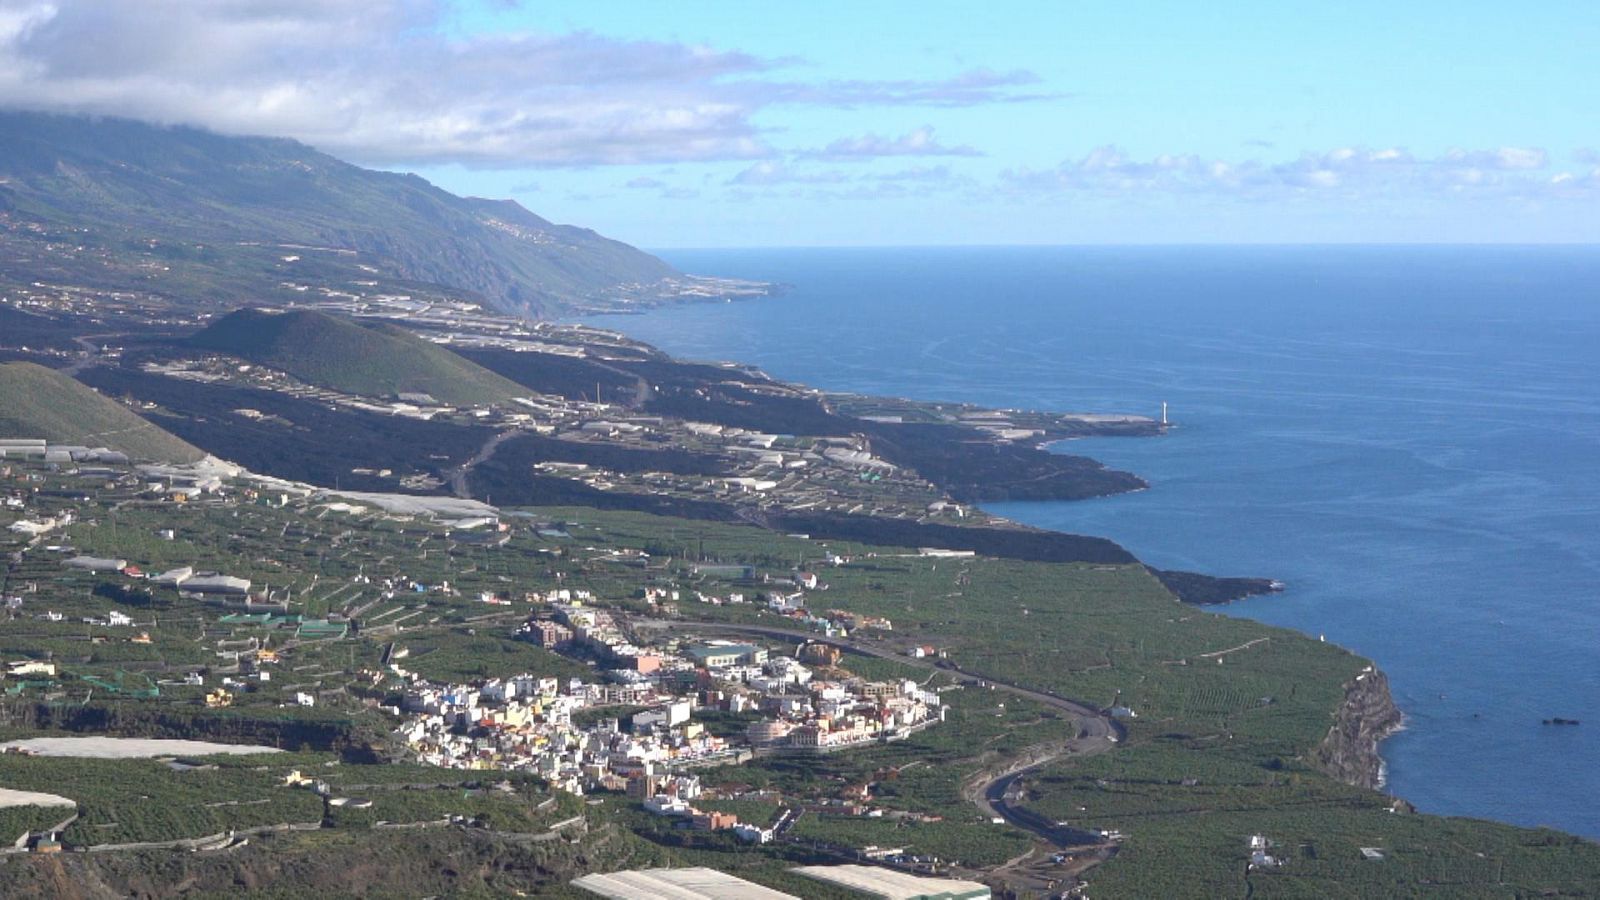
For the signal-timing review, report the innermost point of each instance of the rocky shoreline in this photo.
(1213, 590)
(1365, 717)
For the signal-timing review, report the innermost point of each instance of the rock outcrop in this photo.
(1367, 715)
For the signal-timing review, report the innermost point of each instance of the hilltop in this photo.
(201, 218)
(36, 402)
(380, 360)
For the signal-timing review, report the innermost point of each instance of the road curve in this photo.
(1097, 732)
(458, 475)
(92, 354)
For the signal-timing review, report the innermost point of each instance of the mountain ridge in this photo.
(190, 198)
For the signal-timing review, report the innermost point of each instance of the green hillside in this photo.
(36, 402)
(378, 360)
(202, 205)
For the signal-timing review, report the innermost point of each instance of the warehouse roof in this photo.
(894, 885)
(677, 884)
(720, 648)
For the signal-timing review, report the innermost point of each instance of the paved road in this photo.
(92, 355)
(1097, 732)
(458, 475)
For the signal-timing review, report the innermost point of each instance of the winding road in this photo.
(93, 354)
(993, 792)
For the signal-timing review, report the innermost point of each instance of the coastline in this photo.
(1364, 719)
(940, 377)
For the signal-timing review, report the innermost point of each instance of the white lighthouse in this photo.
(1163, 413)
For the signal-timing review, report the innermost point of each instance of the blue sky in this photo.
(1231, 82)
(725, 124)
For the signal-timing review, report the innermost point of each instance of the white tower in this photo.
(1163, 412)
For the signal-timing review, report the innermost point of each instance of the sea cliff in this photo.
(1364, 718)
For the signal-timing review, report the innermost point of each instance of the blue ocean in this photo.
(1408, 436)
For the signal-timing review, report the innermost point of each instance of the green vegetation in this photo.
(138, 800)
(36, 402)
(16, 821)
(457, 656)
(967, 843)
(1219, 751)
(371, 360)
(1199, 846)
(199, 205)
(922, 775)
(1239, 731)
(528, 811)
(660, 843)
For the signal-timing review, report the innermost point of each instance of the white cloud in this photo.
(768, 178)
(389, 81)
(1343, 170)
(925, 175)
(970, 88)
(1501, 158)
(1570, 184)
(918, 142)
(768, 173)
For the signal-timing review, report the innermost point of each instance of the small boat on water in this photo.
(1560, 721)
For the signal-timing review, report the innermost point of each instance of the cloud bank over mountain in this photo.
(386, 82)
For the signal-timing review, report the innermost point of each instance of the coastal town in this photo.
(652, 716)
(697, 681)
(693, 685)
(635, 727)
(527, 721)
(822, 684)
(1050, 454)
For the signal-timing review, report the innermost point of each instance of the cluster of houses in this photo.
(668, 796)
(40, 525)
(534, 723)
(792, 605)
(814, 714)
(527, 723)
(808, 714)
(1261, 856)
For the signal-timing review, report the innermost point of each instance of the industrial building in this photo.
(677, 884)
(722, 654)
(891, 884)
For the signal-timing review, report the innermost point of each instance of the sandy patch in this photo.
(128, 748)
(9, 797)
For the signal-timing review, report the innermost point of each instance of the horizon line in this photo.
(1112, 245)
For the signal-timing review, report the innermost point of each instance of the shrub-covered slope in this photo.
(197, 199)
(344, 355)
(36, 402)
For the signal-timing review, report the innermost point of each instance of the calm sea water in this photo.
(1410, 437)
